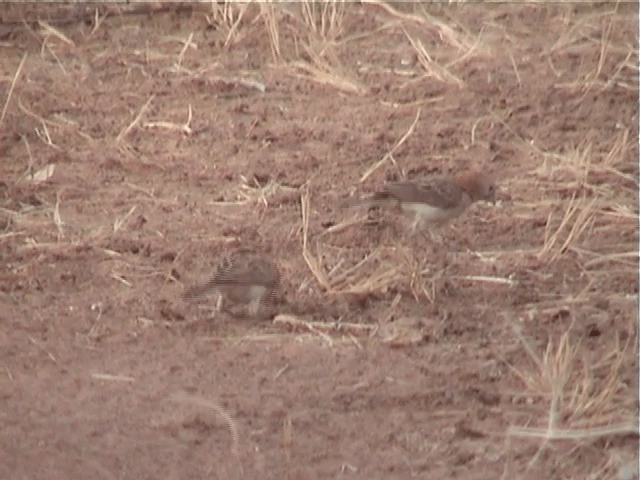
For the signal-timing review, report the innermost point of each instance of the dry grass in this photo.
(13, 84)
(325, 20)
(228, 15)
(576, 218)
(579, 37)
(432, 67)
(389, 155)
(313, 40)
(185, 399)
(576, 173)
(270, 13)
(587, 399)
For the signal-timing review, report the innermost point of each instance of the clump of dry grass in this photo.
(228, 16)
(327, 69)
(593, 180)
(598, 28)
(325, 20)
(577, 217)
(432, 67)
(446, 31)
(315, 32)
(270, 13)
(349, 272)
(587, 399)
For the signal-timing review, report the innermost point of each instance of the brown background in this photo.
(426, 360)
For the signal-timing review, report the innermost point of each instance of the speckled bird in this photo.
(434, 200)
(244, 281)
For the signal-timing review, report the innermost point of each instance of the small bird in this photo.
(246, 280)
(434, 200)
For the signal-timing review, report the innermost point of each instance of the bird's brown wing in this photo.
(246, 270)
(440, 192)
(239, 270)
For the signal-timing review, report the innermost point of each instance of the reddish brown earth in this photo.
(525, 308)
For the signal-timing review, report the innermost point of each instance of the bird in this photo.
(434, 200)
(246, 281)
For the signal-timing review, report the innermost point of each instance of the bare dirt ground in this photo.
(139, 143)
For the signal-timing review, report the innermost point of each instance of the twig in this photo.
(13, 84)
(407, 134)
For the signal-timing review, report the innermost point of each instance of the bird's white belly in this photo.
(430, 214)
(256, 293)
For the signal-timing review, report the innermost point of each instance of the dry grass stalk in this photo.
(252, 191)
(112, 378)
(219, 410)
(433, 68)
(325, 327)
(628, 428)
(43, 134)
(51, 123)
(41, 347)
(228, 15)
(270, 14)
(324, 19)
(404, 332)
(12, 86)
(242, 81)
(360, 280)
(460, 40)
(613, 257)
(593, 398)
(55, 32)
(578, 30)
(580, 212)
(313, 264)
(575, 395)
(125, 131)
(97, 23)
(184, 128)
(604, 42)
(395, 13)
(578, 215)
(287, 444)
(581, 169)
(616, 157)
(321, 71)
(344, 225)
(378, 281)
(342, 277)
(188, 43)
(389, 313)
(487, 279)
(119, 222)
(389, 156)
(413, 270)
(322, 24)
(575, 37)
(293, 321)
(57, 218)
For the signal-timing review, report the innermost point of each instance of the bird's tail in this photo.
(197, 291)
(375, 201)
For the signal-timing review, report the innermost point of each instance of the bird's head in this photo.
(478, 185)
